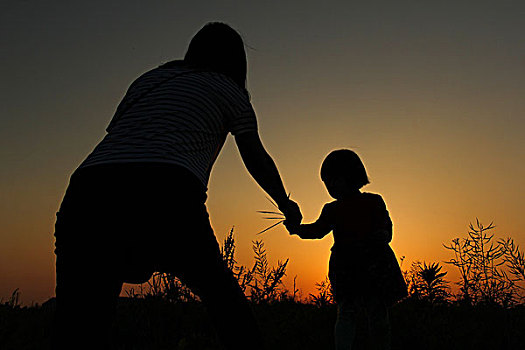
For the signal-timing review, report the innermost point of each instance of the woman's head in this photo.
(343, 173)
(219, 48)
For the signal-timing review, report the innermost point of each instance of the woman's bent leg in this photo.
(87, 285)
(225, 302)
(85, 307)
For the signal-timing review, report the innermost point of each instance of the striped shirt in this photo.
(178, 115)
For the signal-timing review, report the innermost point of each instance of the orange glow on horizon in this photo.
(436, 115)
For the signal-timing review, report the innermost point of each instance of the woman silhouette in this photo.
(136, 204)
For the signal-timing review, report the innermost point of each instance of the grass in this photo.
(153, 323)
(165, 315)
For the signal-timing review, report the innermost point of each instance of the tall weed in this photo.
(480, 262)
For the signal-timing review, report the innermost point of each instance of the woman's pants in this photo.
(120, 223)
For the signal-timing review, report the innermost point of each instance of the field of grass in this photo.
(153, 323)
(488, 312)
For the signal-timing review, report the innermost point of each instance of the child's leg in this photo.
(345, 324)
(378, 323)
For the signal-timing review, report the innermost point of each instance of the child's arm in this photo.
(315, 230)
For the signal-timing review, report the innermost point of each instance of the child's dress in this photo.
(362, 261)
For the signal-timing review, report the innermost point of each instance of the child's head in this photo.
(343, 173)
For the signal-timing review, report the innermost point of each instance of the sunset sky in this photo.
(430, 94)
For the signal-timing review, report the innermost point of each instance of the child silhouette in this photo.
(363, 270)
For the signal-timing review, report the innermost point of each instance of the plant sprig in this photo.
(272, 215)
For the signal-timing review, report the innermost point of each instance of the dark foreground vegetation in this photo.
(487, 310)
(154, 323)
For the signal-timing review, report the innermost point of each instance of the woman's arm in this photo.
(264, 171)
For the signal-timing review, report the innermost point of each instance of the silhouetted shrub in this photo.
(480, 263)
(427, 283)
(324, 295)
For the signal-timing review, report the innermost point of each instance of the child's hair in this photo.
(345, 163)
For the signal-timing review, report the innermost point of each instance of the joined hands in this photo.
(293, 215)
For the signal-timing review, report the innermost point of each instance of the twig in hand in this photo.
(274, 215)
(270, 227)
